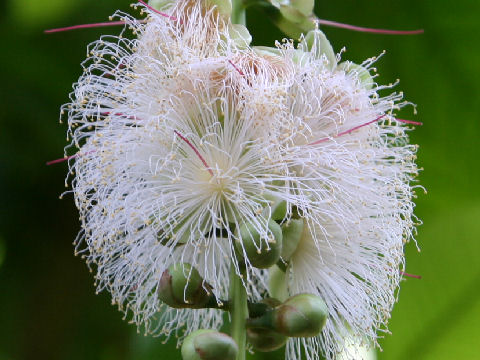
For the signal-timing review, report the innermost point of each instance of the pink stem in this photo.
(86, 26)
(368, 30)
(410, 275)
(156, 11)
(195, 150)
(347, 131)
(236, 68)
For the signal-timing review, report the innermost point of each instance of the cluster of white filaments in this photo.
(182, 136)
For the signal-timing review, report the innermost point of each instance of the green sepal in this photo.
(304, 6)
(362, 74)
(317, 43)
(224, 7)
(160, 4)
(240, 35)
(206, 344)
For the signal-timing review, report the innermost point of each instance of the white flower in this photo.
(349, 172)
(169, 158)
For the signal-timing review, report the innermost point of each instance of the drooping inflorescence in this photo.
(200, 158)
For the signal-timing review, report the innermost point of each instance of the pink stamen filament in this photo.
(347, 131)
(369, 30)
(195, 150)
(236, 68)
(410, 275)
(156, 11)
(87, 26)
(66, 158)
(409, 122)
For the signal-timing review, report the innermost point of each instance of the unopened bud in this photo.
(261, 252)
(292, 233)
(316, 42)
(265, 340)
(302, 315)
(362, 74)
(209, 345)
(181, 286)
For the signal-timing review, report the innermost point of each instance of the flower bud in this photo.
(361, 73)
(302, 315)
(181, 286)
(265, 340)
(209, 345)
(262, 253)
(317, 42)
(292, 233)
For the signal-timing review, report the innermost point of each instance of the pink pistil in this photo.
(347, 131)
(236, 68)
(86, 26)
(369, 30)
(195, 150)
(409, 122)
(156, 11)
(410, 275)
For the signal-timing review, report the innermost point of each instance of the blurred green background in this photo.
(48, 307)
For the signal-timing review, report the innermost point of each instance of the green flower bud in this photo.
(181, 286)
(209, 345)
(265, 340)
(262, 253)
(362, 74)
(302, 315)
(316, 40)
(240, 35)
(224, 7)
(292, 233)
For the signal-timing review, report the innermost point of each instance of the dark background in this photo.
(48, 307)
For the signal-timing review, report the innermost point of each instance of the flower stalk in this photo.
(238, 312)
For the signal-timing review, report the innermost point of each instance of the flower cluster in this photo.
(188, 138)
